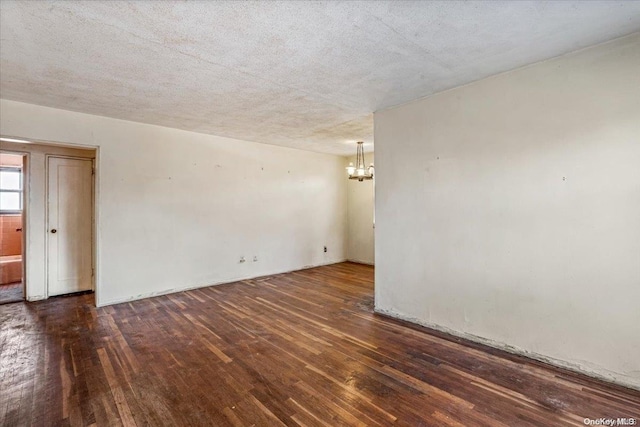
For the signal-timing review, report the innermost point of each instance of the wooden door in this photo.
(70, 223)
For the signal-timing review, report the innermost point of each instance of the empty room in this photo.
(319, 213)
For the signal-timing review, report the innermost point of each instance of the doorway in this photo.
(11, 227)
(67, 171)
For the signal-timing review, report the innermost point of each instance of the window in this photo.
(10, 190)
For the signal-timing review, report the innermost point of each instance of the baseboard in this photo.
(572, 368)
(355, 261)
(191, 287)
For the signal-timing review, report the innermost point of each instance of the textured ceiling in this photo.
(298, 74)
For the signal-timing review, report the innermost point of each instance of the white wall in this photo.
(178, 209)
(508, 210)
(360, 241)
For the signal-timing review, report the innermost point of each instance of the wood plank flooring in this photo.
(296, 349)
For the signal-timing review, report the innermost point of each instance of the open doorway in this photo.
(11, 227)
(361, 216)
(58, 244)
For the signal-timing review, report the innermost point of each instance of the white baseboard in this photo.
(357, 261)
(190, 287)
(591, 371)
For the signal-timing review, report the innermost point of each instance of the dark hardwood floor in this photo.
(301, 348)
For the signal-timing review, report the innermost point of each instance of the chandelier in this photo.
(359, 171)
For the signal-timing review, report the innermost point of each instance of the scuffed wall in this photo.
(508, 211)
(178, 209)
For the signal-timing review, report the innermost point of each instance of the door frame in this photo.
(26, 176)
(93, 218)
(33, 148)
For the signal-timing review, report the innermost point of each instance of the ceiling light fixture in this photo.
(359, 171)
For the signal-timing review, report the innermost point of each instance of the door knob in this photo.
(54, 231)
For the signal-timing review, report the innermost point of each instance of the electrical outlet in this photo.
(242, 259)
(325, 249)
